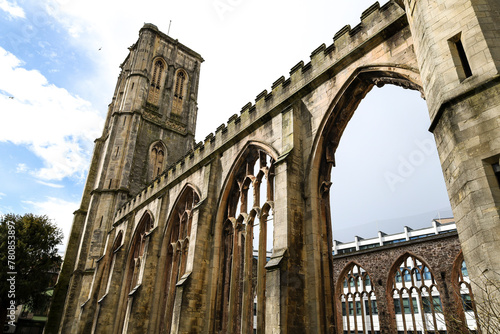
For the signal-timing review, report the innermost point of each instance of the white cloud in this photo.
(49, 184)
(59, 210)
(21, 168)
(57, 126)
(12, 9)
(2, 195)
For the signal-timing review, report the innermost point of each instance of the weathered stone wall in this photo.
(299, 124)
(465, 114)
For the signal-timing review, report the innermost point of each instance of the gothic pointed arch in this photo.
(344, 104)
(321, 160)
(176, 244)
(138, 250)
(136, 259)
(158, 74)
(181, 79)
(356, 301)
(245, 239)
(414, 295)
(157, 159)
(468, 314)
(117, 244)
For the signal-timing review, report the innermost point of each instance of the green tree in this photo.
(28, 248)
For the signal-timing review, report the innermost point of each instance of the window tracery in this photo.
(358, 302)
(116, 245)
(136, 261)
(139, 245)
(417, 302)
(177, 237)
(464, 291)
(179, 91)
(157, 159)
(246, 245)
(155, 86)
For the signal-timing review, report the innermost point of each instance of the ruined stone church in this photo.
(233, 234)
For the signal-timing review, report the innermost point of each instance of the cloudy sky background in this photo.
(59, 61)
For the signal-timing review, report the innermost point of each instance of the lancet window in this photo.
(246, 245)
(179, 91)
(116, 245)
(358, 301)
(157, 158)
(155, 86)
(464, 291)
(177, 243)
(417, 302)
(139, 248)
(136, 262)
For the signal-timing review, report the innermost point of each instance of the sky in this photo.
(59, 61)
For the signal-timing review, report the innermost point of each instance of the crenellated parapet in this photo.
(166, 237)
(325, 61)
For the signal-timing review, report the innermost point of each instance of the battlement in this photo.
(154, 29)
(377, 22)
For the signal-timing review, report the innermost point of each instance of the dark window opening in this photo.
(374, 307)
(436, 304)
(496, 170)
(467, 303)
(459, 57)
(463, 58)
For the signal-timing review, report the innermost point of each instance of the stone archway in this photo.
(335, 120)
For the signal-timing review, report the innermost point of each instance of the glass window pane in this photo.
(465, 273)
(467, 302)
(397, 306)
(358, 308)
(438, 308)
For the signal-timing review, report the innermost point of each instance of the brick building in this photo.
(374, 285)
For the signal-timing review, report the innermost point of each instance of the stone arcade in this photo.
(176, 237)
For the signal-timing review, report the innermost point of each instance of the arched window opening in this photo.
(139, 247)
(404, 179)
(226, 270)
(270, 234)
(358, 302)
(179, 91)
(155, 86)
(116, 245)
(417, 302)
(463, 289)
(136, 261)
(247, 242)
(156, 160)
(179, 85)
(177, 242)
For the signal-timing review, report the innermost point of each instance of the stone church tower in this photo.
(233, 234)
(150, 124)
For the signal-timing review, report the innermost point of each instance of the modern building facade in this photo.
(411, 282)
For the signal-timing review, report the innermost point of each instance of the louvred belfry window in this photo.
(155, 86)
(157, 157)
(179, 91)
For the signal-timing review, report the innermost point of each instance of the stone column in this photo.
(458, 51)
(284, 271)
